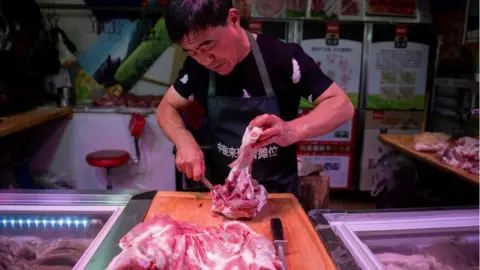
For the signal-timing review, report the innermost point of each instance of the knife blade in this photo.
(210, 186)
(278, 240)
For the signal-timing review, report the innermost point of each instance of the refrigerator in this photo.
(276, 29)
(336, 47)
(401, 239)
(383, 122)
(64, 229)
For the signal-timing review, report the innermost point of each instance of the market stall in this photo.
(94, 223)
(82, 230)
(340, 37)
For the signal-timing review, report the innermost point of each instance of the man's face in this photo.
(216, 48)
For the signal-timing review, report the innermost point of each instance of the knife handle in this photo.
(277, 228)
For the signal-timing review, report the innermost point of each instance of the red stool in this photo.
(109, 159)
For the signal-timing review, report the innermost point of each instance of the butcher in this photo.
(243, 80)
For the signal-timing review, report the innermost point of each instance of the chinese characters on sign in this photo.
(263, 153)
(328, 49)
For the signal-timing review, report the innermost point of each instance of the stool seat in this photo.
(108, 158)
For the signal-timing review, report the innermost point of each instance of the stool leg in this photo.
(109, 181)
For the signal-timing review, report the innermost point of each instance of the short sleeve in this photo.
(183, 83)
(307, 77)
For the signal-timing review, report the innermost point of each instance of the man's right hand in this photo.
(190, 160)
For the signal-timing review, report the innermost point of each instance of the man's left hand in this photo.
(275, 130)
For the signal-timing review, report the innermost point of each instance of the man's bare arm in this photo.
(169, 118)
(333, 108)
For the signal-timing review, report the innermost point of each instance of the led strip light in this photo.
(45, 222)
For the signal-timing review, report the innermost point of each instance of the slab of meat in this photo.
(430, 142)
(244, 197)
(162, 243)
(462, 154)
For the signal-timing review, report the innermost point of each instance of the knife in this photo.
(210, 186)
(278, 240)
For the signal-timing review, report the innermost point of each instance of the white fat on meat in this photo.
(393, 261)
(244, 197)
(162, 243)
(463, 154)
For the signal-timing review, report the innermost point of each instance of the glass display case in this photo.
(35, 237)
(434, 239)
(55, 231)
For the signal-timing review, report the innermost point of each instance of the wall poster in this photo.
(337, 49)
(334, 151)
(398, 66)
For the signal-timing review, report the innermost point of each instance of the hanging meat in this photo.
(163, 243)
(244, 197)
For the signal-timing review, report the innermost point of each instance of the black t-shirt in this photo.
(292, 72)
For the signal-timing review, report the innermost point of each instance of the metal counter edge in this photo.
(66, 197)
(340, 255)
(133, 214)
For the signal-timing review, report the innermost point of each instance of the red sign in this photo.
(402, 30)
(255, 26)
(333, 27)
(378, 115)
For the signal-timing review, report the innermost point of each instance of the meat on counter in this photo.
(163, 243)
(430, 142)
(244, 197)
(462, 154)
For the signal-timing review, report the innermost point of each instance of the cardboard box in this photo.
(314, 192)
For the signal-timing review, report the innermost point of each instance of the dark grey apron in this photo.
(275, 167)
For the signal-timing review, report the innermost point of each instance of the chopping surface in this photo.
(306, 251)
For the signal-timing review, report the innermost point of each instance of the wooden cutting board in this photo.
(306, 251)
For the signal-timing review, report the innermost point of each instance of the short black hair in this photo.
(183, 16)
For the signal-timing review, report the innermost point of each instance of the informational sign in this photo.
(398, 67)
(383, 122)
(337, 49)
(333, 151)
(336, 159)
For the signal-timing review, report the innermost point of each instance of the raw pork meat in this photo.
(393, 261)
(162, 243)
(430, 142)
(244, 197)
(38, 254)
(463, 154)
